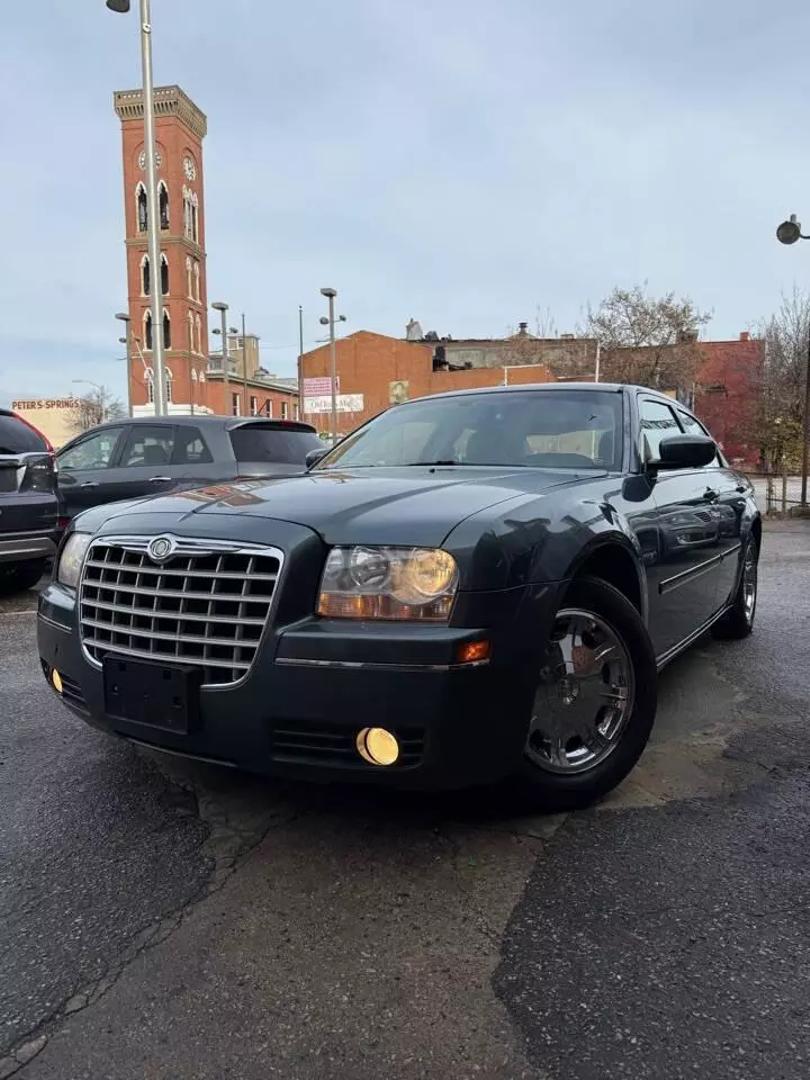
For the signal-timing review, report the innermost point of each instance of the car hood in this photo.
(412, 506)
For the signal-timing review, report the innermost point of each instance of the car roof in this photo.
(206, 421)
(547, 388)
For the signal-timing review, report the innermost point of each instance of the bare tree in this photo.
(96, 407)
(648, 340)
(779, 416)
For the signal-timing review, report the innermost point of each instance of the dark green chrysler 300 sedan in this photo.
(473, 587)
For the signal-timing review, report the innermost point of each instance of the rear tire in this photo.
(595, 701)
(738, 621)
(16, 577)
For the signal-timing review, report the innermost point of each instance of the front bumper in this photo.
(316, 683)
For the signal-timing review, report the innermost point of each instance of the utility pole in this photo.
(125, 320)
(300, 362)
(788, 233)
(330, 294)
(245, 406)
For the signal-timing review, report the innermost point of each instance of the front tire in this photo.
(595, 700)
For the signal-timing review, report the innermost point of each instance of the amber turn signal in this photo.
(56, 679)
(473, 652)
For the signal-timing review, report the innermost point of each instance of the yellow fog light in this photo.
(56, 679)
(377, 746)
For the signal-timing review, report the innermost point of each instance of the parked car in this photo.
(471, 587)
(129, 458)
(27, 503)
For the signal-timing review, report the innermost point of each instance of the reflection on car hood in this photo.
(417, 505)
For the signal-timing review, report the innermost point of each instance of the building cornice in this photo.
(169, 101)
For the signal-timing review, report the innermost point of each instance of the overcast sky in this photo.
(465, 163)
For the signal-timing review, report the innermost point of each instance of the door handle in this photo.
(159, 479)
(89, 483)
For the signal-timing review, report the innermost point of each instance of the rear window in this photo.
(18, 438)
(257, 442)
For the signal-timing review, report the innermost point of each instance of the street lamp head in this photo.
(216, 330)
(122, 315)
(328, 292)
(323, 320)
(218, 304)
(789, 231)
(121, 6)
(341, 318)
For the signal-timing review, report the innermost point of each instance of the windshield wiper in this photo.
(440, 461)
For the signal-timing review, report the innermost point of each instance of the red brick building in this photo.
(375, 371)
(194, 383)
(726, 395)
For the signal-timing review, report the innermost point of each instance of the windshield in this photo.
(554, 429)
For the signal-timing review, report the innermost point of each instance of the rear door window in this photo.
(190, 448)
(17, 437)
(148, 445)
(260, 442)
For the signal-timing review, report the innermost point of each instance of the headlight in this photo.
(388, 583)
(71, 558)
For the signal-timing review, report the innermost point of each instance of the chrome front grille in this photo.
(207, 605)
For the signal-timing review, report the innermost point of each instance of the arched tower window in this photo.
(195, 225)
(147, 329)
(197, 280)
(198, 323)
(150, 389)
(146, 276)
(169, 397)
(186, 213)
(167, 330)
(163, 202)
(141, 207)
(190, 332)
(189, 293)
(164, 275)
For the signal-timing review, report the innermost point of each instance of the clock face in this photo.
(142, 159)
(189, 168)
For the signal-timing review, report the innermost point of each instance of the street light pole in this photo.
(125, 320)
(222, 308)
(300, 362)
(788, 233)
(152, 208)
(330, 294)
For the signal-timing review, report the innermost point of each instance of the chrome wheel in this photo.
(585, 694)
(749, 582)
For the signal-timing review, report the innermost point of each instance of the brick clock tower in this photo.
(180, 128)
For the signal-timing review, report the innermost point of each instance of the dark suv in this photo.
(27, 503)
(131, 458)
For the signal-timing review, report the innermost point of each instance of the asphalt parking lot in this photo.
(163, 919)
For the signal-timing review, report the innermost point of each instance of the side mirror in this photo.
(314, 456)
(686, 452)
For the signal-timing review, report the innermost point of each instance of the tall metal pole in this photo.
(152, 211)
(245, 408)
(300, 362)
(125, 319)
(806, 440)
(333, 364)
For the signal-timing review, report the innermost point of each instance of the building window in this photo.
(169, 397)
(254, 405)
(147, 329)
(190, 332)
(167, 330)
(268, 409)
(146, 282)
(187, 215)
(296, 411)
(284, 410)
(236, 405)
(197, 280)
(163, 203)
(193, 374)
(189, 293)
(141, 207)
(198, 323)
(195, 229)
(150, 389)
(164, 275)
(202, 376)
